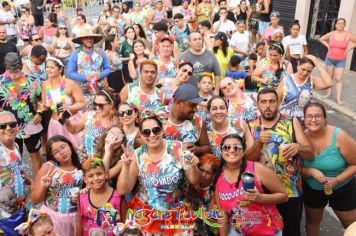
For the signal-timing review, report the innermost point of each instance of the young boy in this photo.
(235, 71)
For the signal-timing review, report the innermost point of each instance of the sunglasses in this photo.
(11, 124)
(184, 70)
(36, 40)
(234, 147)
(100, 105)
(147, 132)
(127, 112)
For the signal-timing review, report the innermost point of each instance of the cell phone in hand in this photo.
(65, 116)
(59, 106)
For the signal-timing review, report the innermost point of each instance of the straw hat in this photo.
(84, 33)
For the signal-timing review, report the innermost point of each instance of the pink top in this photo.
(248, 218)
(96, 220)
(338, 47)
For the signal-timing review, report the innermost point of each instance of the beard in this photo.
(269, 117)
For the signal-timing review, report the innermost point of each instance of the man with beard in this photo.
(286, 146)
(143, 92)
(35, 65)
(183, 125)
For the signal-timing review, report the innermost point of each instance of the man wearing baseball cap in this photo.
(183, 125)
(19, 95)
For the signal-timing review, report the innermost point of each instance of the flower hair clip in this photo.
(33, 216)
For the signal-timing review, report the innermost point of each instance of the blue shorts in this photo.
(336, 63)
(262, 25)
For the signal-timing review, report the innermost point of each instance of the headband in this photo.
(274, 13)
(112, 101)
(276, 31)
(56, 60)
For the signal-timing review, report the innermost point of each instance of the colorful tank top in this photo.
(36, 71)
(161, 183)
(287, 170)
(296, 97)
(131, 140)
(11, 170)
(88, 63)
(269, 71)
(246, 111)
(338, 47)
(101, 220)
(187, 132)
(64, 186)
(93, 130)
(247, 218)
(165, 70)
(158, 15)
(215, 138)
(182, 37)
(138, 97)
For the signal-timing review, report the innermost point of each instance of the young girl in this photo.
(57, 184)
(205, 85)
(99, 207)
(38, 224)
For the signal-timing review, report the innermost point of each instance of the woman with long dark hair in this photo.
(126, 50)
(222, 52)
(57, 183)
(114, 79)
(248, 211)
(139, 55)
(140, 32)
(273, 68)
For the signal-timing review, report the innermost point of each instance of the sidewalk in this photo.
(348, 97)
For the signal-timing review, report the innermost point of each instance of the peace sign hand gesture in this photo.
(127, 156)
(46, 179)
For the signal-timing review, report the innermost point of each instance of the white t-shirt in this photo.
(235, 3)
(225, 26)
(8, 16)
(295, 44)
(241, 41)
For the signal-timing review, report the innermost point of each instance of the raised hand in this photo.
(265, 135)
(127, 156)
(46, 179)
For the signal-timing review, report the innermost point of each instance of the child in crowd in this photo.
(235, 71)
(132, 232)
(205, 85)
(99, 207)
(38, 224)
(251, 85)
(260, 50)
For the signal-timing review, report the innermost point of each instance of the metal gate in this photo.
(322, 18)
(286, 9)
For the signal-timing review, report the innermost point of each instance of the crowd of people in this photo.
(164, 120)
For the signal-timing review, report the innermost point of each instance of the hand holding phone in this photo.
(64, 117)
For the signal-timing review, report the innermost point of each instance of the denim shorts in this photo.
(336, 63)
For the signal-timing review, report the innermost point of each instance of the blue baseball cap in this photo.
(188, 92)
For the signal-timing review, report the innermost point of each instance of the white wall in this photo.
(302, 14)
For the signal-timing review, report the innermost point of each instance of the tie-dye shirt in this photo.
(187, 132)
(138, 97)
(215, 137)
(11, 170)
(288, 170)
(161, 183)
(62, 189)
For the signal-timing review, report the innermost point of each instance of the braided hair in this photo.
(222, 163)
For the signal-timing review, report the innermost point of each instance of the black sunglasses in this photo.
(11, 124)
(147, 132)
(184, 70)
(36, 40)
(235, 147)
(127, 112)
(100, 105)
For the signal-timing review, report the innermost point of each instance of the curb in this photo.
(342, 109)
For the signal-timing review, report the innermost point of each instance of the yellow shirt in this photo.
(224, 61)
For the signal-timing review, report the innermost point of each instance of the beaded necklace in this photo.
(49, 100)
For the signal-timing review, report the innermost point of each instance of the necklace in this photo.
(50, 102)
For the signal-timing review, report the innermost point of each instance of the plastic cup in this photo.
(248, 181)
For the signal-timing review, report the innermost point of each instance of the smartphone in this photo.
(65, 116)
(59, 105)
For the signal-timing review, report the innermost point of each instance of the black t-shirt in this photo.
(5, 48)
(230, 16)
(266, 17)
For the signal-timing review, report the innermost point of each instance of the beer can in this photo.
(248, 181)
